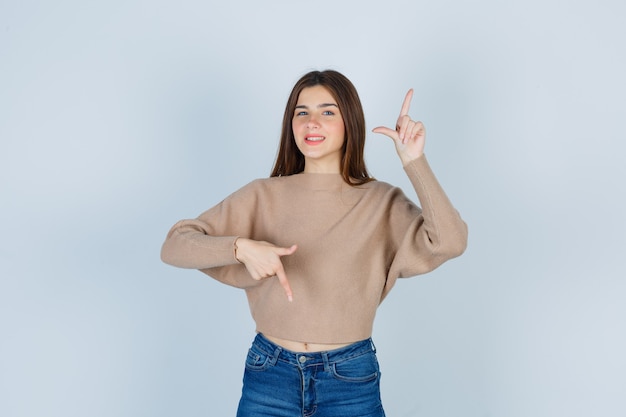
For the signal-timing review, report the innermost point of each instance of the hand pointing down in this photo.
(262, 260)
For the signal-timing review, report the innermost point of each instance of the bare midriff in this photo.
(304, 347)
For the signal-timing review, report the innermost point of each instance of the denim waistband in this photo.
(313, 358)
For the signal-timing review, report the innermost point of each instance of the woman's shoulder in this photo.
(264, 185)
(377, 186)
(386, 194)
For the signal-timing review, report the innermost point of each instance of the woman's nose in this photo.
(312, 123)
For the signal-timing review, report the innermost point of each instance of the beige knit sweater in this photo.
(353, 243)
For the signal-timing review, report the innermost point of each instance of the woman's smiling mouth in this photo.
(314, 139)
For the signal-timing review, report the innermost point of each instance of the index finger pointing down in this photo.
(282, 278)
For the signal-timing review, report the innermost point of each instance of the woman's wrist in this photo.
(236, 249)
(406, 160)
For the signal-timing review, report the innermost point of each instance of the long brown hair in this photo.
(291, 161)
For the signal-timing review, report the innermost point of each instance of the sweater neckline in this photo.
(319, 181)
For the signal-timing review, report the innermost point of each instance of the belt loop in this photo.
(326, 361)
(373, 346)
(274, 357)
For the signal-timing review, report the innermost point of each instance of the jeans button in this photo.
(302, 359)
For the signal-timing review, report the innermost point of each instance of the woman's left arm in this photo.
(439, 233)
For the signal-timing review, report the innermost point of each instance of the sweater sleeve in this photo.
(436, 234)
(191, 244)
(207, 243)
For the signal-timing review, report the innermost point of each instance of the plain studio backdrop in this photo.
(118, 118)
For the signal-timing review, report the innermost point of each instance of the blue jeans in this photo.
(343, 382)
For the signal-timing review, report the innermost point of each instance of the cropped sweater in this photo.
(353, 243)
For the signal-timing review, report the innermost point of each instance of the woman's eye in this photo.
(328, 113)
(301, 113)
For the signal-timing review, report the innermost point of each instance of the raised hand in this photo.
(409, 135)
(262, 260)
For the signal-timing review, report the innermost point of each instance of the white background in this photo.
(118, 118)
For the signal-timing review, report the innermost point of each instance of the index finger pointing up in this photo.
(407, 103)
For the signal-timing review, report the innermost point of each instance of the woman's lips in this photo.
(314, 140)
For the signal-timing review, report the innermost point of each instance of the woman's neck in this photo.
(314, 167)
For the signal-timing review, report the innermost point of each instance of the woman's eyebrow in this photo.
(319, 106)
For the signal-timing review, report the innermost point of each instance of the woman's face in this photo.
(319, 130)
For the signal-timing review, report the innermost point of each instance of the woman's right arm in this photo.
(189, 246)
(219, 244)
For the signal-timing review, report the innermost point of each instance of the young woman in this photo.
(317, 247)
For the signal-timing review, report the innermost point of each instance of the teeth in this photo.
(315, 139)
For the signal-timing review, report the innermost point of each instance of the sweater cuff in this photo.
(417, 167)
(422, 178)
